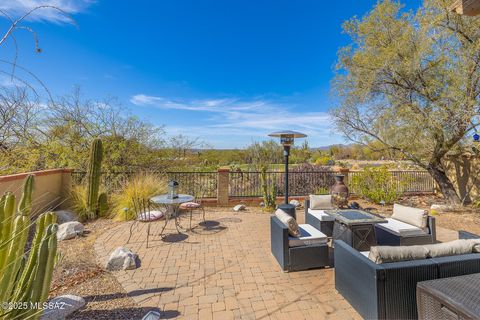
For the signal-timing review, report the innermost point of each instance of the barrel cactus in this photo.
(93, 177)
(25, 276)
(102, 204)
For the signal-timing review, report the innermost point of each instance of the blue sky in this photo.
(228, 72)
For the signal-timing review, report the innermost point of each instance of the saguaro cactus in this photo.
(25, 279)
(93, 176)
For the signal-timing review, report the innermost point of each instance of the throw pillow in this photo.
(289, 221)
(320, 202)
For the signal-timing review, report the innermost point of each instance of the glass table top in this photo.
(353, 216)
(164, 199)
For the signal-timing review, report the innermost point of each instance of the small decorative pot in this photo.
(339, 192)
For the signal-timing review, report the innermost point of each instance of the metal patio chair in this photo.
(196, 205)
(145, 212)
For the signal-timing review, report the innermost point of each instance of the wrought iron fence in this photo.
(411, 181)
(197, 183)
(249, 184)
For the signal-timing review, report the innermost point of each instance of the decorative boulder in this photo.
(62, 307)
(440, 207)
(122, 259)
(239, 207)
(295, 203)
(69, 230)
(65, 216)
(152, 315)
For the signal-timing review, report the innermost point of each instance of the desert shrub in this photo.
(322, 190)
(140, 186)
(78, 201)
(324, 160)
(377, 184)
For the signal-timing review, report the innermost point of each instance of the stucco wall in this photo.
(51, 188)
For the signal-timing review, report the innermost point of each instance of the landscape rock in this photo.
(65, 216)
(295, 203)
(122, 259)
(239, 207)
(70, 230)
(62, 307)
(152, 315)
(440, 207)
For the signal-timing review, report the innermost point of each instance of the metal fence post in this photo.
(223, 183)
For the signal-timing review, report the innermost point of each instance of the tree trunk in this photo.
(446, 186)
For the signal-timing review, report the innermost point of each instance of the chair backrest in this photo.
(142, 208)
(198, 191)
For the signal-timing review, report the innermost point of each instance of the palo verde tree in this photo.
(410, 81)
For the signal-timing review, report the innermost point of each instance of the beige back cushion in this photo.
(476, 245)
(289, 221)
(385, 254)
(320, 202)
(414, 216)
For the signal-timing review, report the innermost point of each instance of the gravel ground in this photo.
(77, 273)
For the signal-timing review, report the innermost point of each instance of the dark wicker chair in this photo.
(295, 258)
(387, 237)
(324, 225)
(388, 290)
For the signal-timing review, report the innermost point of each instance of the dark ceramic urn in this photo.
(339, 192)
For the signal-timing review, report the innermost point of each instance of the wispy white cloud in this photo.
(235, 118)
(17, 8)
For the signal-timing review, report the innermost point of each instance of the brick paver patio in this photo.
(222, 271)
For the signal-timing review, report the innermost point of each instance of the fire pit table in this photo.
(355, 227)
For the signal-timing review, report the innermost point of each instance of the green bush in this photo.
(377, 184)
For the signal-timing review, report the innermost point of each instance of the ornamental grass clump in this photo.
(141, 186)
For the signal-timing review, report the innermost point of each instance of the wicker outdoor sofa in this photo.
(388, 290)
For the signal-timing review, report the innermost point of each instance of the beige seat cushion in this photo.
(414, 216)
(289, 221)
(320, 215)
(402, 228)
(385, 254)
(450, 248)
(321, 202)
(309, 235)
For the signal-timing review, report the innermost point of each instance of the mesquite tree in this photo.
(410, 81)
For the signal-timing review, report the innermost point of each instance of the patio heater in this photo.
(287, 138)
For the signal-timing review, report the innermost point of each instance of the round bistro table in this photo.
(172, 208)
